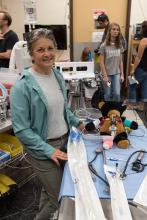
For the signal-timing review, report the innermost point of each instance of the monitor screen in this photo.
(59, 31)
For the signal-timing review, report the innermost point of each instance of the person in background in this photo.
(104, 23)
(7, 39)
(111, 63)
(41, 118)
(139, 71)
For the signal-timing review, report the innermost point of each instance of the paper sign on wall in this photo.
(98, 12)
(97, 36)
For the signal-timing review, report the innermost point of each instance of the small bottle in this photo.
(90, 56)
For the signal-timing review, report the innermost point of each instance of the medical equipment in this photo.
(137, 165)
(75, 73)
(86, 197)
(140, 197)
(3, 104)
(88, 114)
(138, 31)
(3, 110)
(20, 58)
(123, 174)
(30, 13)
(119, 203)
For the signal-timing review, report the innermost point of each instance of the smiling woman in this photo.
(42, 119)
(42, 50)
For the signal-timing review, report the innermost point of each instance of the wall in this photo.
(56, 11)
(83, 23)
(48, 12)
(138, 11)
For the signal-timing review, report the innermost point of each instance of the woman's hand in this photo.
(58, 154)
(106, 80)
(81, 126)
(132, 73)
(132, 70)
(122, 78)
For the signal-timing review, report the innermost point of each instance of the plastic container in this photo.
(89, 92)
(4, 156)
(10, 144)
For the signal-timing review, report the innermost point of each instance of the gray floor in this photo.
(67, 210)
(24, 203)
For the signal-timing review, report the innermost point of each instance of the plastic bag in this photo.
(119, 203)
(141, 195)
(87, 203)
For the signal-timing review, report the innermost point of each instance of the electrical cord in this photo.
(123, 174)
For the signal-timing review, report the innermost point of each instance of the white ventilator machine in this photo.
(75, 73)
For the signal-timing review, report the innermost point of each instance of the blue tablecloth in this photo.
(138, 140)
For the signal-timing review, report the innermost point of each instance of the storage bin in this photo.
(4, 156)
(10, 144)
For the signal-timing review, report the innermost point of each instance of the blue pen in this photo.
(112, 159)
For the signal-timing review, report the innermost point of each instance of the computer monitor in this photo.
(59, 31)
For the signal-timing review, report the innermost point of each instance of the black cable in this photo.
(94, 158)
(91, 168)
(126, 165)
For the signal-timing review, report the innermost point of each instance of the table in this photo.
(138, 141)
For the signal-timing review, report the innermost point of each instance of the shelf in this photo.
(6, 125)
(11, 160)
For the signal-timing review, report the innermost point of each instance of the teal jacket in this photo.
(29, 114)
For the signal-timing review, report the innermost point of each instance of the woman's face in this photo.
(114, 31)
(43, 53)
